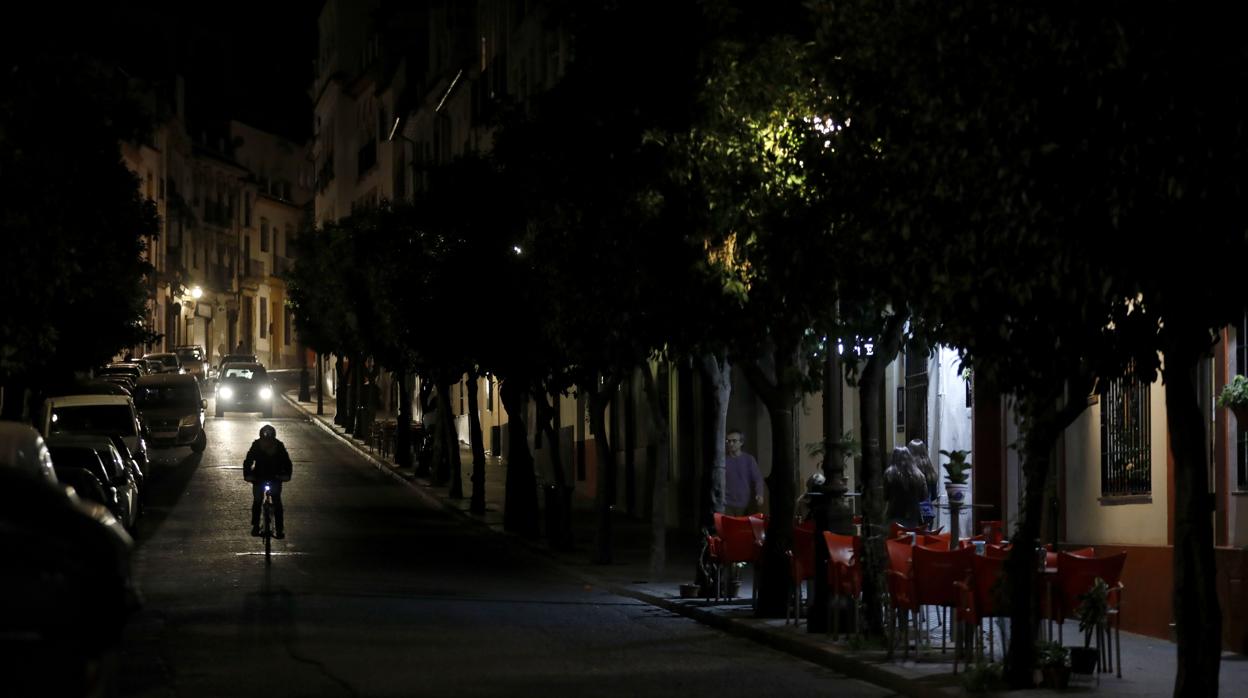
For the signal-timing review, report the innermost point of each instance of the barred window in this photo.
(1241, 430)
(1126, 443)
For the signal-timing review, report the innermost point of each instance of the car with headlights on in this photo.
(172, 409)
(244, 387)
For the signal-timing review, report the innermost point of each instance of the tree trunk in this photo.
(450, 468)
(874, 527)
(558, 528)
(341, 390)
(658, 508)
(428, 437)
(477, 440)
(780, 396)
(832, 512)
(320, 384)
(353, 402)
(403, 427)
(520, 508)
(1044, 418)
(604, 496)
(1198, 618)
(717, 373)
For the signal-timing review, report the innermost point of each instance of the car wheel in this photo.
(200, 443)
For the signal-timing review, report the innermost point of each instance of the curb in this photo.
(828, 657)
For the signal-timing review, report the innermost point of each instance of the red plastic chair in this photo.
(896, 530)
(901, 594)
(1050, 557)
(934, 541)
(935, 574)
(1075, 576)
(801, 566)
(844, 575)
(993, 531)
(736, 542)
(1000, 551)
(981, 597)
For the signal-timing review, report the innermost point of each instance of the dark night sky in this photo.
(252, 61)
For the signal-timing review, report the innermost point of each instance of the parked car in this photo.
(83, 453)
(169, 362)
(194, 360)
(153, 365)
(66, 590)
(130, 370)
(244, 387)
(132, 463)
(172, 408)
(96, 414)
(102, 386)
(124, 498)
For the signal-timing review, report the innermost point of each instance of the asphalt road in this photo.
(376, 593)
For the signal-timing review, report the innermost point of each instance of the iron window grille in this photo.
(1126, 443)
(1241, 430)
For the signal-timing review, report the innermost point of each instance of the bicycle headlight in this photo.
(266, 393)
(225, 393)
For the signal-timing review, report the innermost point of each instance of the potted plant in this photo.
(959, 471)
(1092, 613)
(1053, 662)
(1235, 396)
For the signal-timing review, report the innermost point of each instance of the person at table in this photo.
(743, 481)
(904, 488)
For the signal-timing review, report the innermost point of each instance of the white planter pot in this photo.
(957, 494)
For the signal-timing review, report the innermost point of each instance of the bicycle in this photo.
(266, 527)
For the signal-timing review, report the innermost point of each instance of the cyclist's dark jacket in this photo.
(267, 461)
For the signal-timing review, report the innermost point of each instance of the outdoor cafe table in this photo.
(954, 524)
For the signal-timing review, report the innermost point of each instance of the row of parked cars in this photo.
(72, 488)
(66, 591)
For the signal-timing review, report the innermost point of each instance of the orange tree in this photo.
(1051, 142)
(72, 274)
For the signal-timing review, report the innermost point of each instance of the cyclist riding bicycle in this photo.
(267, 462)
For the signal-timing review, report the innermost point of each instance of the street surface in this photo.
(376, 592)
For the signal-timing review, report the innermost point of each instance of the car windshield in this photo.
(244, 372)
(189, 354)
(96, 419)
(165, 395)
(123, 370)
(79, 457)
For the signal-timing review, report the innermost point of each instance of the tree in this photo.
(1033, 137)
(72, 275)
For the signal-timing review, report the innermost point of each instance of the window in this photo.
(1241, 430)
(290, 234)
(247, 210)
(1126, 443)
(264, 317)
(286, 317)
(264, 234)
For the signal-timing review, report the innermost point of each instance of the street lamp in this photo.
(197, 292)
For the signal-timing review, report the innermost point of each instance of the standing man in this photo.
(743, 481)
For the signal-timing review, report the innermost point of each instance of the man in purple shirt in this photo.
(743, 481)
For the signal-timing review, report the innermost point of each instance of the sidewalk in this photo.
(1148, 663)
